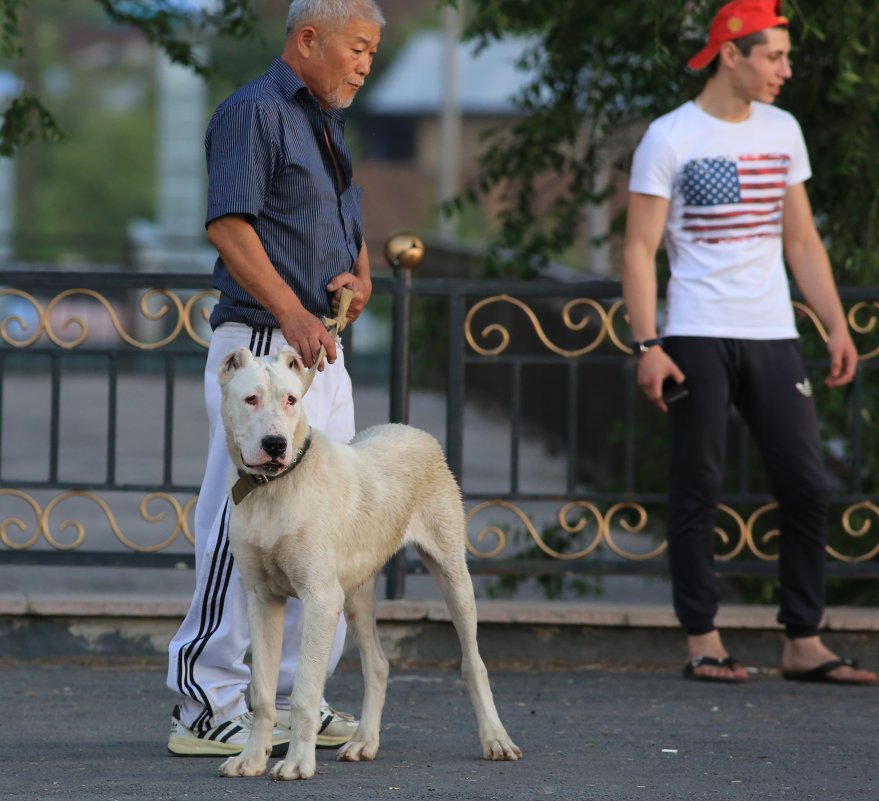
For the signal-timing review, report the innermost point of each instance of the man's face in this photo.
(761, 75)
(342, 63)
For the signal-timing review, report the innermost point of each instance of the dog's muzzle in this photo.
(248, 482)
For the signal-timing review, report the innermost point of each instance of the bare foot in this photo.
(804, 654)
(709, 646)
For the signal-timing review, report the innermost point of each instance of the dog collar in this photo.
(248, 482)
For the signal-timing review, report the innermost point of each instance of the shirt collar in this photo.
(287, 80)
(292, 87)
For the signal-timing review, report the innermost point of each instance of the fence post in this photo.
(455, 386)
(403, 252)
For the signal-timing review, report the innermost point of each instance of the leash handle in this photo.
(335, 325)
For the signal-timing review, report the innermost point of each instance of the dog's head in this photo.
(262, 410)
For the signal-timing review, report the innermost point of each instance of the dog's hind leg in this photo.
(265, 616)
(360, 610)
(320, 615)
(448, 566)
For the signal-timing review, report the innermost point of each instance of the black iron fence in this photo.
(561, 462)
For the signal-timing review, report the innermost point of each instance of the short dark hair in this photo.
(745, 44)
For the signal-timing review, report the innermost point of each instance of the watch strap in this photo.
(643, 345)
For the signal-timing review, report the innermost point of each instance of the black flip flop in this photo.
(821, 674)
(728, 662)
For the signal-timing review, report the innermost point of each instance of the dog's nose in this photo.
(274, 445)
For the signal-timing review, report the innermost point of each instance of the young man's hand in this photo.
(843, 358)
(653, 368)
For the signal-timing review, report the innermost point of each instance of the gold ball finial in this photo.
(404, 250)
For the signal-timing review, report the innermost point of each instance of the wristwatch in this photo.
(645, 344)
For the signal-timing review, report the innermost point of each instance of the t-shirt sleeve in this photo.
(800, 169)
(242, 153)
(653, 166)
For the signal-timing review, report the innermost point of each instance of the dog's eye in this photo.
(291, 400)
(251, 400)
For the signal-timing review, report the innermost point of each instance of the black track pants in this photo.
(766, 381)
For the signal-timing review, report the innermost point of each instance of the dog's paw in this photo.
(500, 748)
(289, 770)
(358, 750)
(237, 766)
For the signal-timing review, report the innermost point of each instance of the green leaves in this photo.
(25, 120)
(176, 31)
(165, 24)
(10, 33)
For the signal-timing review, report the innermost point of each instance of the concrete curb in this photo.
(554, 613)
(521, 633)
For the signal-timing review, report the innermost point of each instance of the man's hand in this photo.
(303, 331)
(361, 287)
(843, 358)
(653, 368)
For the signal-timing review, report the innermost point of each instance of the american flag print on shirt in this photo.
(727, 200)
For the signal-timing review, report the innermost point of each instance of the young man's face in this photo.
(761, 75)
(343, 62)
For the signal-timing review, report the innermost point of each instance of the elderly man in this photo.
(284, 216)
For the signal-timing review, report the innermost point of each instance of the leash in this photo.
(335, 325)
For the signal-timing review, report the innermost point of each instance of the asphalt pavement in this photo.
(96, 731)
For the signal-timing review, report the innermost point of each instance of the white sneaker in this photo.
(336, 728)
(226, 739)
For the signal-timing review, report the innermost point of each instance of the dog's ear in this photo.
(291, 359)
(234, 361)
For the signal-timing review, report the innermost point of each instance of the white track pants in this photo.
(206, 656)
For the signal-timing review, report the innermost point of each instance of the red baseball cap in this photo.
(735, 19)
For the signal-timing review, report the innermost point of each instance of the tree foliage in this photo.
(173, 25)
(599, 67)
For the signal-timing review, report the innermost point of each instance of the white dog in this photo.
(317, 520)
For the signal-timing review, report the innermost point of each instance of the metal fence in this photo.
(102, 435)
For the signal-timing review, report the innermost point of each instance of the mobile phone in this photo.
(673, 391)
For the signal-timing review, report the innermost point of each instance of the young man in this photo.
(722, 180)
(284, 216)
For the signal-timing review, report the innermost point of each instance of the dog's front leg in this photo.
(265, 614)
(320, 613)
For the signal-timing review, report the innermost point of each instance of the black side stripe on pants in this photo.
(218, 584)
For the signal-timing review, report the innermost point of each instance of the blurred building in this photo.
(401, 126)
(404, 127)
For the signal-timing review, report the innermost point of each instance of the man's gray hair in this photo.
(332, 13)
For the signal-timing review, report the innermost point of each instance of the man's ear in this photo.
(288, 357)
(232, 362)
(306, 40)
(729, 54)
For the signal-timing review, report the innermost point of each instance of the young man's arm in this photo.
(810, 266)
(644, 227)
(249, 264)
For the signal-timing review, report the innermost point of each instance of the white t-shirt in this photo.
(726, 183)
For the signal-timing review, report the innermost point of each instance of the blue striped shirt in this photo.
(268, 161)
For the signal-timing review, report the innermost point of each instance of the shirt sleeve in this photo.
(653, 166)
(242, 155)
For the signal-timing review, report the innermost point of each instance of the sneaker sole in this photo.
(325, 741)
(192, 746)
